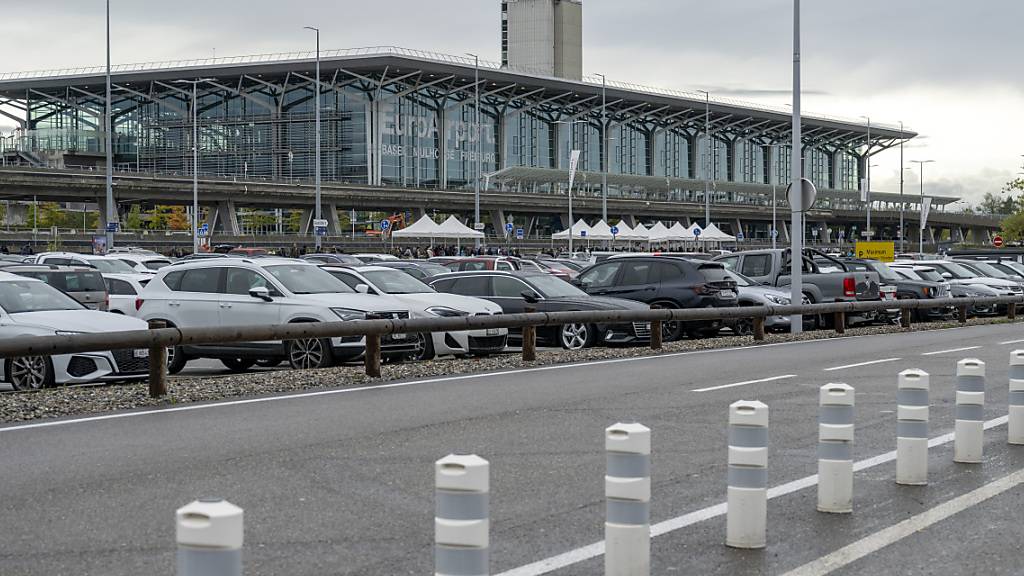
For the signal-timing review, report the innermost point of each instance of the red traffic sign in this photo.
(997, 241)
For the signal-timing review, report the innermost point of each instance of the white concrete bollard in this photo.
(627, 490)
(462, 516)
(747, 501)
(209, 534)
(835, 449)
(1016, 424)
(968, 432)
(912, 428)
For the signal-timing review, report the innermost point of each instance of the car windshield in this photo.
(883, 271)
(1017, 267)
(396, 282)
(958, 271)
(740, 279)
(307, 279)
(111, 266)
(156, 264)
(929, 274)
(34, 296)
(553, 287)
(989, 270)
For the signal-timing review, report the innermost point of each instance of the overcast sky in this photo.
(950, 70)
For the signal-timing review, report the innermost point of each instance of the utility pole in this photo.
(708, 158)
(797, 227)
(111, 207)
(317, 131)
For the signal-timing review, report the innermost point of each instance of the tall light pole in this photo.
(479, 147)
(195, 160)
(317, 130)
(920, 235)
(796, 207)
(707, 155)
(903, 231)
(111, 207)
(867, 177)
(604, 147)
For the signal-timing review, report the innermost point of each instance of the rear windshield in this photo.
(111, 266)
(714, 273)
(71, 281)
(156, 264)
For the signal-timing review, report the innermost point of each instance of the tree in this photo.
(1013, 228)
(178, 219)
(134, 219)
(996, 204)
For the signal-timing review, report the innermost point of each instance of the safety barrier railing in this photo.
(159, 337)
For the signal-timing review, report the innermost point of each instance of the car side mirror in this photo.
(576, 282)
(947, 275)
(261, 292)
(362, 288)
(530, 296)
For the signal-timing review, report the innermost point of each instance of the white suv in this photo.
(255, 292)
(105, 264)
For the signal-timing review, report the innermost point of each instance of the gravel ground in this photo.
(81, 400)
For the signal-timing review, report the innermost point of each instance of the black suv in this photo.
(665, 282)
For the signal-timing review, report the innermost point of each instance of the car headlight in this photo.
(346, 314)
(445, 312)
(780, 300)
(66, 332)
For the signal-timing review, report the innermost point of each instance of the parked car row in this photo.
(66, 293)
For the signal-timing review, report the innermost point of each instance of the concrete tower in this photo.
(543, 36)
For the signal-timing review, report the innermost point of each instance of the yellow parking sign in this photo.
(881, 251)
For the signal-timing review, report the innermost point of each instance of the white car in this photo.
(105, 264)
(142, 262)
(218, 292)
(123, 292)
(378, 280)
(953, 271)
(31, 307)
(369, 258)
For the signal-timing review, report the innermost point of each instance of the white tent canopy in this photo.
(680, 232)
(625, 232)
(713, 234)
(578, 227)
(425, 227)
(452, 228)
(600, 231)
(640, 232)
(658, 233)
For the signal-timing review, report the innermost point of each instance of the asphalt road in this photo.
(341, 483)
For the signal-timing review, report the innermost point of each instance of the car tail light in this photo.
(849, 286)
(138, 304)
(701, 289)
(106, 301)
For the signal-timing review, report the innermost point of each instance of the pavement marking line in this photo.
(1008, 342)
(857, 365)
(596, 549)
(951, 350)
(314, 394)
(724, 386)
(883, 538)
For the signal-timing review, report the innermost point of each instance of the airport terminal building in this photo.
(406, 121)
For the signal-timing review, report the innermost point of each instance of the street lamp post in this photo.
(479, 145)
(903, 231)
(111, 207)
(317, 136)
(707, 155)
(867, 178)
(195, 160)
(796, 205)
(604, 147)
(920, 234)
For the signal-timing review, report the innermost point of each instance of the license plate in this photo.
(493, 332)
(141, 353)
(399, 336)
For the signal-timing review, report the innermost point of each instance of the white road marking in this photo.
(596, 549)
(882, 361)
(875, 542)
(1008, 342)
(951, 350)
(724, 386)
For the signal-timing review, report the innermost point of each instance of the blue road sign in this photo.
(204, 230)
(739, 236)
(583, 233)
(697, 231)
(112, 226)
(320, 231)
(509, 227)
(384, 224)
(520, 233)
(615, 230)
(775, 233)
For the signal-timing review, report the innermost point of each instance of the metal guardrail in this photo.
(158, 338)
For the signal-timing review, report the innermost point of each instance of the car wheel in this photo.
(424, 347)
(237, 364)
(575, 336)
(670, 331)
(269, 362)
(30, 372)
(176, 360)
(309, 353)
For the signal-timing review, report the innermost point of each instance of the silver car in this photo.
(753, 294)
